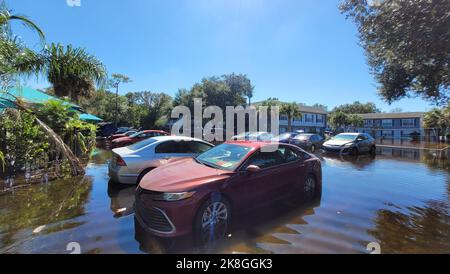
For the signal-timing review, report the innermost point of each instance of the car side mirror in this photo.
(253, 169)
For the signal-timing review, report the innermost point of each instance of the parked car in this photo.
(350, 143)
(126, 134)
(137, 137)
(254, 136)
(308, 141)
(105, 129)
(121, 130)
(201, 194)
(285, 138)
(130, 164)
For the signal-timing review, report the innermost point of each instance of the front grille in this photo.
(154, 218)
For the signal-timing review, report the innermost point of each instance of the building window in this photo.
(407, 122)
(298, 119)
(309, 118)
(386, 123)
(283, 117)
(319, 118)
(368, 123)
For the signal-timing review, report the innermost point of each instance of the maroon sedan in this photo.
(126, 134)
(201, 194)
(137, 137)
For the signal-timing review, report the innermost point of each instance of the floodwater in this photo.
(399, 199)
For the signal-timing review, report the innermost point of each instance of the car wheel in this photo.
(310, 187)
(143, 173)
(353, 151)
(212, 221)
(313, 148)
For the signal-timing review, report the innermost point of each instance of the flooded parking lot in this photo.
(399, 199)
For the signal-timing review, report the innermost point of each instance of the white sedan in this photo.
(129, 164)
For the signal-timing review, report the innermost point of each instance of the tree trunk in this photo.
(289, 123)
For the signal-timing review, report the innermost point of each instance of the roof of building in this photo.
(399, 115)
(34, 96)
(304, 108)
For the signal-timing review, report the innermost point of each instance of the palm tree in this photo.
(291, 110)
(72, 71)
(6, 17)
(435, 120)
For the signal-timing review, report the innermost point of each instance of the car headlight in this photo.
(348, 144)
(170, 197)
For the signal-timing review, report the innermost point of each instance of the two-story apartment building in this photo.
(312, 120)
(393, 125)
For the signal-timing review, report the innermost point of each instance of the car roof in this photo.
(176, 138)
(350, 133)
(152, 130)
(253, 144)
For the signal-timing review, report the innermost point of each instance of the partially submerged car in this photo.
(137, 137)
(351, 144)
(126, 134)
(308, 141)
(201, 194)
(129, 164)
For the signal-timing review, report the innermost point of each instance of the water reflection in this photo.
(122, 199)
(424, 229)
(399, 198)
(49, 206)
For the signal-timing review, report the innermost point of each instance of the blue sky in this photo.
(296, 50)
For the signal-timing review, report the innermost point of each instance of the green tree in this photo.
(6, 18)
(158, 107)
(357, 108)
(240, 84)
(115, 81)
(355, 120)
(407, 44)
(291, 110)
(72, 71)
(338, 120)
(437, 120)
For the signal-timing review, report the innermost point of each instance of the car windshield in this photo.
(141, 144)
(345, 137)
(225, 156)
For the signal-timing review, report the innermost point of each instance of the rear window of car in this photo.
(141, 144)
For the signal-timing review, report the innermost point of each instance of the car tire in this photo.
(313, 148)
(143, 173)
(353, 151)
(310, 188)
(209, 228)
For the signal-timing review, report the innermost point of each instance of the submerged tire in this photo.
(212, 221)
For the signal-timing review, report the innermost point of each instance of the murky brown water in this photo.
(399, 199)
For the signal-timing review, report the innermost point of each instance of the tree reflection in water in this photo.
(45, 204)
(421, 230)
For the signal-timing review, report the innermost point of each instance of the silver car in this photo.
(129, 164)
(350, 143)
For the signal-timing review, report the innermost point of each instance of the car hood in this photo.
(181, 175)
(337, 142)
(122, 139)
